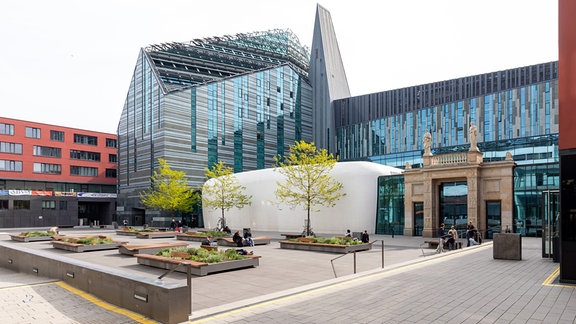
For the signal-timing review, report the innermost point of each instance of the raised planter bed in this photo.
(227, 241)
(195, 236)
(23, 238)
(197, 268)
(71, 245)
(131, 231)
(322, 247)
(152, 235)
(126, 233)
(152, 248)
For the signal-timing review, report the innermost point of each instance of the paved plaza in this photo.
(415, 286)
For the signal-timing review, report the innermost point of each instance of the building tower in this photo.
(328, 79)
(241, 99)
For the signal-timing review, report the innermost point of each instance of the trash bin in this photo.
(507, 246)
(115, 224)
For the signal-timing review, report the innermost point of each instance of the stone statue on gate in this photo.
(473, 138)
(427, 143)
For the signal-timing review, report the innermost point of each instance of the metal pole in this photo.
(354, 261)
(382, 253)
(189, 284)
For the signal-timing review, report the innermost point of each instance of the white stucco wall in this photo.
(355, 211)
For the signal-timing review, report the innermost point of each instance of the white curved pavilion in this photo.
(355, 211)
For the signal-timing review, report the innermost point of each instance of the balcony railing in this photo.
(452, 158)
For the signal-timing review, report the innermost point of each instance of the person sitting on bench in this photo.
(236, 238)
(453, 238)
(207, 241)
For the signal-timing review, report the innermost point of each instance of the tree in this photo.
(223, 191)
(169, 190)
(308, 181)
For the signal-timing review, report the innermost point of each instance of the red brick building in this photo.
(55, 176)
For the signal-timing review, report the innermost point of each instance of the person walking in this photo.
(470, 233)
(441, 236)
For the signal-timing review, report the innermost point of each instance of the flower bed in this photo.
(32, 236)
(332, 245)
(85, 243)
(201, 261)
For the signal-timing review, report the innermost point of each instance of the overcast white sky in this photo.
(69, 62)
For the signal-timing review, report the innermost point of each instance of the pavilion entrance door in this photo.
(454, 205)
(550, 217)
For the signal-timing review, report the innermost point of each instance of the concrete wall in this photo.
(167, 303)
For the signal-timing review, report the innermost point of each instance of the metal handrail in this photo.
(343, 255)
(188, 280)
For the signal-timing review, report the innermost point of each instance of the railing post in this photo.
(354, 261)
(189, 284)
(382, 253)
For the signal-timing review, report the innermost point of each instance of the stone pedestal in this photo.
(507, 246)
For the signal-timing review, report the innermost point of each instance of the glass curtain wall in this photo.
(390, 217)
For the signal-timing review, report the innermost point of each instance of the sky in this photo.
(69, 62)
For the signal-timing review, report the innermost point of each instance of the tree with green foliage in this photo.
(169, 190)
(308, 181)
(223, 191)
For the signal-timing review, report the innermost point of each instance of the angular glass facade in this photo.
(515, 111)
(238, 99)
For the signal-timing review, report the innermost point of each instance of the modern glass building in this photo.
(515, 111)
(241, 99)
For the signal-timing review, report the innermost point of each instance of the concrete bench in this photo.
(433, 244)
(227, 241)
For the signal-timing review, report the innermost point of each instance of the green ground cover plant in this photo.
(36, 234)
(331, 240)
(202, 255)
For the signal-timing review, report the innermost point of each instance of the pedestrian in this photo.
(441, 236)
(452, 238)
(365, 237)
(470, 233)
(173, 224)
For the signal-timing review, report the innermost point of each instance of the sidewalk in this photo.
(311, 287)
(467, 287)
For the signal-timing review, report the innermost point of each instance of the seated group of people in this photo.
(209, 242)
(242, 241)
(365, 238)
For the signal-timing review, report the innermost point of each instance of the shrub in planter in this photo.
(328, 240)
(96, 240)
(201, 255)
(209, 233)
(36, 234)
